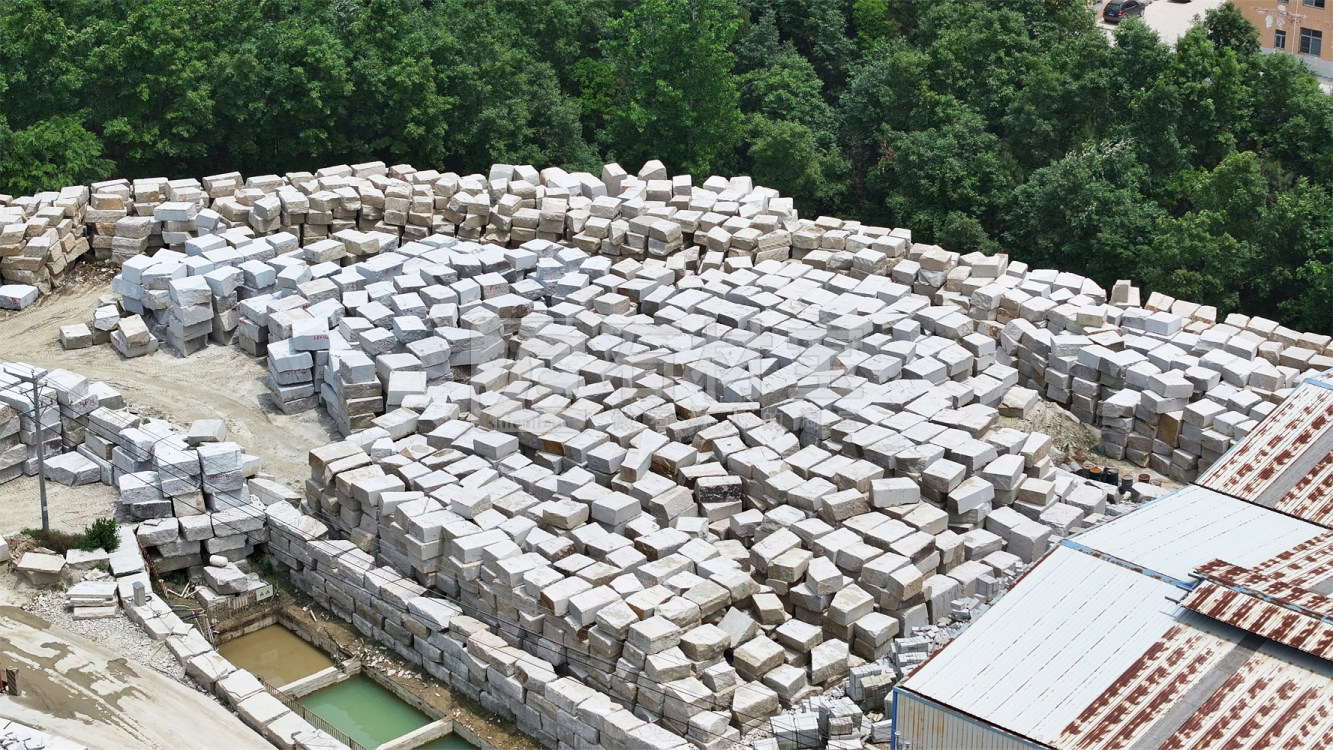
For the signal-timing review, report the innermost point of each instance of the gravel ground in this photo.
(117, 634)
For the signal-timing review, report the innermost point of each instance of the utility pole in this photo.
(34, 375)
(41, 448)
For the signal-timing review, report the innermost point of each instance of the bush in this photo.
(58, 542)
(102, 534)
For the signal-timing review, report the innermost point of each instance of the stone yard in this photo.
(633, 462)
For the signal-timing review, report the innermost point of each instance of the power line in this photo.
(377, 545)
(375, 548)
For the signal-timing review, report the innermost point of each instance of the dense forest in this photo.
(1204, 171)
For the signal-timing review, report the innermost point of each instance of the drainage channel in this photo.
(350, 701)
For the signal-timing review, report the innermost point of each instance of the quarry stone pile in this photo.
(630, 461)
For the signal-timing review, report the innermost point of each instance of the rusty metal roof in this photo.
(1298, 628)
(1090, 649)
(1139, 698)
(1308, 564)
(1211, 687)
(1283, 591)
(1286, 462)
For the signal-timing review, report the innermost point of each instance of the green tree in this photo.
(151, 83)
(306, 72)
(820, 30)
(51, 154)
(1208, 78)
(1086, 213)
(1190, 259)
(676, 95)
(1291, 118)
(947, 162)
(883, 92)
(874, 23)
(797, 161)
(1228, 28)
(787, 89)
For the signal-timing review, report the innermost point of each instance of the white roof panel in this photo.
(1058, 639)
(1180, 532)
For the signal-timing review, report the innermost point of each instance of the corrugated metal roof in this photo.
(1277, 698)
(1308, 564)
(1263, 618)
(1139, 699)
(1059, 639)
(1256, 581)
(1227, 692)
(1175, 535)
(1286, 462)
(1088, 651)
(927, 725)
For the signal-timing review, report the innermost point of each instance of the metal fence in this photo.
(315, 720)
(248, 599)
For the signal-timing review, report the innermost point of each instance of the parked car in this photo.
(1121, 9)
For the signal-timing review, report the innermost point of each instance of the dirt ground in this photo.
(76, 689)
(69, 508)
(220, 382)
(1075, 442)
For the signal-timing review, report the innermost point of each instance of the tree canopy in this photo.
(1202, 168)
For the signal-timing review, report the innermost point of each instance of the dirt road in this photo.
(220, 382)
(76, 689)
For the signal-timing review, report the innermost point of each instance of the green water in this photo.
(371, 715)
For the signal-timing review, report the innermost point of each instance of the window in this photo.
(1279, 39)
(1314, 3)
(1312, 42)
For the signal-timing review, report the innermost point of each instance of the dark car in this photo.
(1119, 9)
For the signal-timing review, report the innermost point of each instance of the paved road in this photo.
(1169, 18)
(76, 689)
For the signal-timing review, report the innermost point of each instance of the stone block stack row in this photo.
(237, 688)
(40, 236)
(1171, 391)
(624, 446)
(13, 452)
(27, 429)
(462, 651)
(635, 496)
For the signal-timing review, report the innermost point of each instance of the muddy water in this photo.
(371, 715)
(275, 654)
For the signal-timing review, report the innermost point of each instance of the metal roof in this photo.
(1211, 687)
(1137, 701)
(1259, 582)
(1089, 650)
(1299, 629)
(1176, 534)
(1060, 638)
(1308, 564)
(1286, 462)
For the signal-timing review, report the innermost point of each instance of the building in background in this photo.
(1302, 27)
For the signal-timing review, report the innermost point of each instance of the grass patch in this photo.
(59, 542)
(100, 535)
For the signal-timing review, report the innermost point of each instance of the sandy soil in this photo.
(75, 688)
(1075, 442)
(69, 508)
(220, 382)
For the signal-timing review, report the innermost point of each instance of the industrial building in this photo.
(1202, 620)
